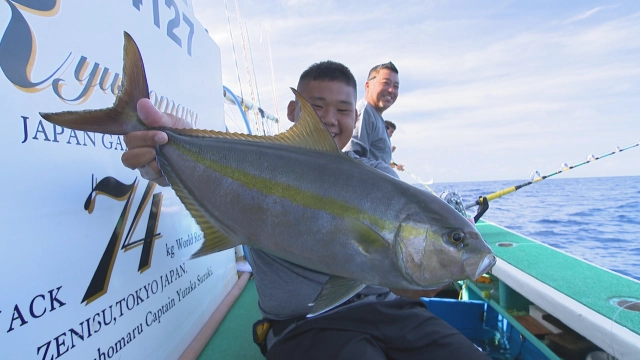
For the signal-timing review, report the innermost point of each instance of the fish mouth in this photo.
(487, 264)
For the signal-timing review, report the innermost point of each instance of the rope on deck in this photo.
(200, 341)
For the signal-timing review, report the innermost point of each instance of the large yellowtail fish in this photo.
(297, 197)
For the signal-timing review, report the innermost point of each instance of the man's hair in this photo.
(329, 71)
(390, 124)
(376, 69)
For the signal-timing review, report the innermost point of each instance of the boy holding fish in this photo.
(373, 324)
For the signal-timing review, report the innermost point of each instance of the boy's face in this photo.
(382, 91)
(335, 104)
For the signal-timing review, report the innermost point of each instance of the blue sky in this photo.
(489, 90)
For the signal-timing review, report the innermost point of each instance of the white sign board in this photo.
(94, 259)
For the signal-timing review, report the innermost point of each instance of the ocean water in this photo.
(596, 219)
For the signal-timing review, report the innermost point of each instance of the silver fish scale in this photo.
(267, 215)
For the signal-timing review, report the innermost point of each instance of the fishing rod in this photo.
(450, 197)
(535, 176)
(425, 184)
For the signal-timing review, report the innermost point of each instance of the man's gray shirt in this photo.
(285, 289)
(370, 139)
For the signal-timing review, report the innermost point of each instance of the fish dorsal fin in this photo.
(308, 132)
(214, 238)
(335, 291)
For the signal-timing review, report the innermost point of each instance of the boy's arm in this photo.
(141, 145)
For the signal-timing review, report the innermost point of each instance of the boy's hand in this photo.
(141, 152)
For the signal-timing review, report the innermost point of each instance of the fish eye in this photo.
(456, 237)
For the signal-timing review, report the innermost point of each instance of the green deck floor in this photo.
(233, 339)
(587, 284)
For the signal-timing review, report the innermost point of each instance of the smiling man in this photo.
(370, 139)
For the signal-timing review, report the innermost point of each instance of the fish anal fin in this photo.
(214, 238)
(335, 291)
(214, 241)
(122, 118)
(364, 236)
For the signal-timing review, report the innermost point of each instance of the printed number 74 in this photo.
(119, 191)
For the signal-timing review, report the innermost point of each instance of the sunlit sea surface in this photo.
(596, 219)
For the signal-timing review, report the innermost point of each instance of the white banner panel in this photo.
(94, 258)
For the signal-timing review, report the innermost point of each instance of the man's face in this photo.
(335, 104)
(390, 130)
(382, 91)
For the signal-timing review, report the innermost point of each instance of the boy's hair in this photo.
(329, 71)
(390, 124)
(376, 69)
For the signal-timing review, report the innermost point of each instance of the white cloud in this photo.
(586, 14)
(487, 91)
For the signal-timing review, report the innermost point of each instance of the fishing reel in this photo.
(455, 200)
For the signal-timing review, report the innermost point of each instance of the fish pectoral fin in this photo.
(335, 291)
(367, 239)
(214, 239)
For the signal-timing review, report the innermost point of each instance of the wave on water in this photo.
(550, 221)
(628, 219)
(579, 214)
(629, 205)
(543, 233)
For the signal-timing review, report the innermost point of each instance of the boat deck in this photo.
(579, 293)
(233, 339)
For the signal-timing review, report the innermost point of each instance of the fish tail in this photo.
(122, 118)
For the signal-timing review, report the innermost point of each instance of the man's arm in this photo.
(377, 164)
(399, 167)
(361, 138)
(141, 145)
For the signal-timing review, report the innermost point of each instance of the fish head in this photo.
(432, 254)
